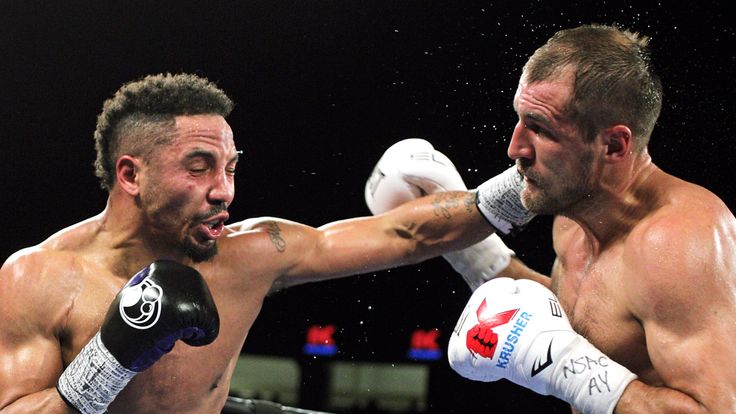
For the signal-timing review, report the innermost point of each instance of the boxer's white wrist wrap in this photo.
(482, 261)
(584, 376)
(93, 379)
(517, 330)
(499, 199)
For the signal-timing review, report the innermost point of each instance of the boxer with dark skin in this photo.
(167, 157)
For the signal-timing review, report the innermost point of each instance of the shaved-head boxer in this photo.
(144, 308)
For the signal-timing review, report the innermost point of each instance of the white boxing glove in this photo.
(516, 329)
(412, 168)
(409, 169)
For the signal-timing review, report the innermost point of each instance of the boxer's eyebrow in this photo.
(199, 153)
(538, 118)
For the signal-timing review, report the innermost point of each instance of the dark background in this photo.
(322, 89)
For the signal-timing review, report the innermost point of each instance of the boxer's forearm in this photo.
(642, 398)
(413, 232)
(441, 223)
(45, 401)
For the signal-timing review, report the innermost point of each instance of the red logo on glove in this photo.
(481, 339)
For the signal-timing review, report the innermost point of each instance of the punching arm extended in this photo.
(412, 168)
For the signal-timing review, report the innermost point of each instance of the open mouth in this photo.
(213, 228)
(212, 224)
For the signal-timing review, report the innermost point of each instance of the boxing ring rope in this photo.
(235, 405)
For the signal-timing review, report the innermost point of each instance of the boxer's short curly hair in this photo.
(140, 116)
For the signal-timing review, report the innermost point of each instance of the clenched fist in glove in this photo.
(163, 303)
(516, 329)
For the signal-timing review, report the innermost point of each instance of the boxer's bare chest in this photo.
(188, 379)
(592, 292)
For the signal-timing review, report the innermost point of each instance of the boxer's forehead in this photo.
(204, 130)
(546, 98)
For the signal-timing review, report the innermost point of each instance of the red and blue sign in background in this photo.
(423, 344)
(320, 341)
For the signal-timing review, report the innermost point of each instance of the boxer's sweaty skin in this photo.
(650, 307)
(645, 261)
(54, 296)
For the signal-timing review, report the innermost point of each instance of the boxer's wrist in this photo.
(480, 262)
(499, 200)
(588, 379)
(93, 379)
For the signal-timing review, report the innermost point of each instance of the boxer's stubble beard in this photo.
(560, 189)
(199, 255)
(194, 251)
(166, 216)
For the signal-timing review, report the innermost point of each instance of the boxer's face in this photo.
(549, 150)
(188, 185)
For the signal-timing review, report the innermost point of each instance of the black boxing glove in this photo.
(163, 303)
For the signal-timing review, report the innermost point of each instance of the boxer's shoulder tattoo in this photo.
(274, 232)
(446, 203)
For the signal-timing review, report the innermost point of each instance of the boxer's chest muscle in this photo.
(591, 292)
(188, 379)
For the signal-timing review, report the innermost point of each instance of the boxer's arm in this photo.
(28, 373)
(681, 285)
(412, 167)
(30, 351)
(415, 231)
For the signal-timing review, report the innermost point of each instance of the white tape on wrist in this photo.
(93, 379)
(590, 381)
(482, 261)
(499, 199)
(579, 373)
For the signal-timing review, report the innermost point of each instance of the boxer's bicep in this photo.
(29, 368)
(347, 247)
(679, 293)
(689, 348)
(33, 305)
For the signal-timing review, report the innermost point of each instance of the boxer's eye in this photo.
(197, 170)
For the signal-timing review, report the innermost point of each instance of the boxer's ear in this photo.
(127, 169)
(618, 143)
